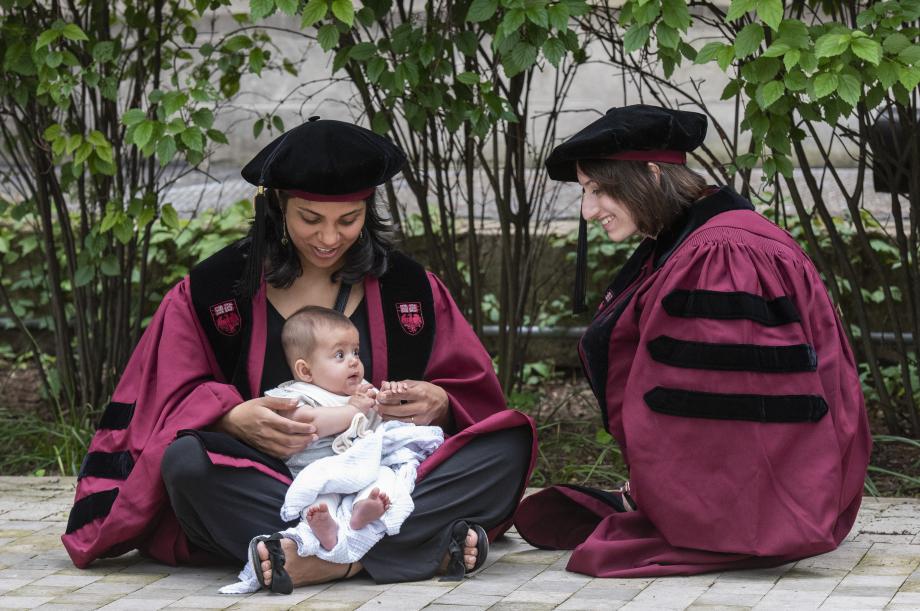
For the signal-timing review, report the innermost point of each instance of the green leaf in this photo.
(768, 93)
(481, 10)
(831, 45)
(191, 138)
(288, 7)
(380, 124)
(257, 127)
(909, 77)
(849, 88)
(635, 38)
(796, 81)
(731, 90)
(237, 43)
(910, 55)
(83, 275)
(166, 149)
(52, 132)
(169, 217)
(218, 136)
(676, 14)
(558, 15)
(791, 59)
(667, 36)
(708, 53)
(103, 51)
(524, 55)
(314, 11)
(867, 49)
(133, 117)
(725, 57)
(468, 78)
(825, 84)
(363, 51)
(96, 138)
(771, 11)
(173, 101)
(895, 43)
(72, 31)
(54, 59)
(278, 123)
(777, 49)
(143, 133)
(794, 33)
(739, 8)
(260, 9)
(375, 68)
(536, 14)
(467, 43)
(887, 73)
(554, 50)
(203, 118)
(748, 40)
(344, 11)
(46, 38)
(328, 36)
(110, 266)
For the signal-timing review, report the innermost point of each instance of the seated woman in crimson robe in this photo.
(187, 464)
(719, 365)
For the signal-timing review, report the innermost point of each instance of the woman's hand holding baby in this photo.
(413, 401)
(258, 423)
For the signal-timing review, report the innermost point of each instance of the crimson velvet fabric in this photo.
(720, 483)
(173, 382)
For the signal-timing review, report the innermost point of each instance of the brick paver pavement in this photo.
(877, 567)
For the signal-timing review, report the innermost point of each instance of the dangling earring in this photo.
(284, 235)
(362, 237)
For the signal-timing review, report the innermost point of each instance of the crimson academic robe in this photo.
(723, 372)
(175, 381)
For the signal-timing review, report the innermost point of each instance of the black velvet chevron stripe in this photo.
(730, 306)
(116, 416)
(110, 465)
(733, 357)
(756, 408)
(89, 508)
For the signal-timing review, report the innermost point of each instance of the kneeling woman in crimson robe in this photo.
(719, 365)
(188, 462)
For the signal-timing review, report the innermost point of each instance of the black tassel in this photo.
(581, 268)
(257, 247)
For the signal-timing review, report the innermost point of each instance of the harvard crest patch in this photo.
(226, 317)
(410, 316)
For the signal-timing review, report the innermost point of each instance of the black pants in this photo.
(221, 509)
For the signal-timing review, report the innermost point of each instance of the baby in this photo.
(321, 346)
(353, 484)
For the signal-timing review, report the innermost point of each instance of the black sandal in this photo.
(456, 567)
(281, 581)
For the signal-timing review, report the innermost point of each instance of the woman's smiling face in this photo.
(611, 214)
(322, 232)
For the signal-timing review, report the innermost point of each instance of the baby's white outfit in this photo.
(343, 469)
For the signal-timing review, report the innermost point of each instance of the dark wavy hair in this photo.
(367, 256)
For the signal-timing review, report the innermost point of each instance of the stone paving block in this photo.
(513, 606)
(582, 604)
(792, 599)
(844, 557)
(136, 604)
(74, 581)
(325, 605)
(217, 601)
(622, 595)
(855, 602)
(23, 602)
(766, 574)
(110, 587)
(887, 559)
(398, 602)
(527, 595)
(666, 596)
(533, 556)
(475, 600)
(488, 587)
(613, 583)
(31, 589)
(557, 576)
(890, 582)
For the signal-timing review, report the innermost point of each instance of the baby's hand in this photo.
(365, 399)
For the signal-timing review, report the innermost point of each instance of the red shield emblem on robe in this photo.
(226, 317)
(410, 316)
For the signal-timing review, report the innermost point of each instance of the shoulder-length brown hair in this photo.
(655, 204)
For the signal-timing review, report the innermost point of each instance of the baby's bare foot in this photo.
(323, 525)
(367, 510)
